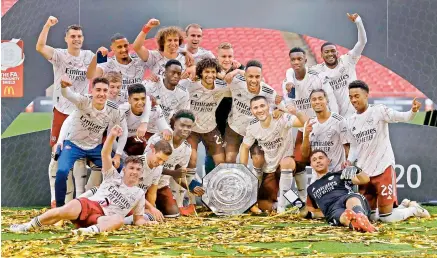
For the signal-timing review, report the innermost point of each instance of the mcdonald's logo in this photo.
(9, 91)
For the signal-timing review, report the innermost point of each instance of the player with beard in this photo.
(275, 139)
(130, 66)
(170, 96)
(326, 131)
(331, 195)
(339, 72)
(169, 40)
(225, 57)
(104, 211)
(193, 37)
(72, 61)
(175, 167)
(305, 81)
(371, 150)
(205, 96)
(84, 136)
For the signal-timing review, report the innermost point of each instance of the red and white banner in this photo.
(12, 68)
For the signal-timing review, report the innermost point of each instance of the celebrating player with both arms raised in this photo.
(153, 127)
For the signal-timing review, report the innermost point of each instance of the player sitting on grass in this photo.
(116, 196)
(331, 196)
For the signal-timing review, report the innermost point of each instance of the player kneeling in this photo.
(331, 196)
(104, 211)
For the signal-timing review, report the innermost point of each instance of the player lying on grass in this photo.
(331, 195)
(104, 211)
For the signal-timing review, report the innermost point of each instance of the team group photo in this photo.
(164, 145)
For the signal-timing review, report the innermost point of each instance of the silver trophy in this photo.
(230, 189)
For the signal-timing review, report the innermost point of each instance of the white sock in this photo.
(129, 220)
(398, 215)
(91, 229)
(80, 174)
(70, 187)
(88, 193)
(374, 215)
(95, 178)
(35, 223)
(178, 192)
(53, 167)
(259, 174)
(284, 185)
(301, 184)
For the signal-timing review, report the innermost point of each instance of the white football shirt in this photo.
(200, 54)
(116, 198)
(338, 79)
(156, 62)
(204, 103)
(330, 136)
(87, 123)
(131, 73)
(310, 82)
(276, 141)
(370, 140)
(240, 116)
(150, 176)
(76, 68)
(170, 101)
(180, 156)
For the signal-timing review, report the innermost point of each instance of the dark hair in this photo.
(183, 113)
(133, 159)
(165, 32)
(257, 98)
(100, 80)
(73, 27)
(296, 50)
(207, 63)
(254, 63)
(192, 25)
(319, 90)
(136, 88)
(117, 36)
(164, 147)
(359, 84)
(326, 44)
(318, 151)
(172, 62)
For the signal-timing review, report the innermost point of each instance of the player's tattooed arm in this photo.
(138, 44)
(41, 45)
(306, 146)
(362, 37)
(93, 70)
(115, 132)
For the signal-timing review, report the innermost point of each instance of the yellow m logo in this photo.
(8, 91)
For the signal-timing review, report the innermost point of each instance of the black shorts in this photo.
(337, 208)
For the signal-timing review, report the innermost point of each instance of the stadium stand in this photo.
(382, 81)
(250, 43)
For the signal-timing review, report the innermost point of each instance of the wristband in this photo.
(309, 215)
(146, 29)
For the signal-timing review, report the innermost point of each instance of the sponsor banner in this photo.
(12, 68)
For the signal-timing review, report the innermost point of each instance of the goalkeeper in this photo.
(331, 196)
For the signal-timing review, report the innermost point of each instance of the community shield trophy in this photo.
(230, 189)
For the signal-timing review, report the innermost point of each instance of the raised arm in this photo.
(41, 45)
(115, 132)
(301, 116)
(392, 116)
(67, 93)
(93, 70)
(362, 37)
(306, 146)
(138, 44)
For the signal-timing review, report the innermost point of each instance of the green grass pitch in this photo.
(208, 235)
